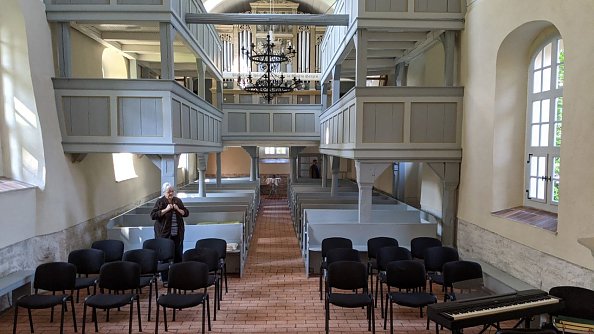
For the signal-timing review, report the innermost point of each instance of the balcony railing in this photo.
(136, 116)
(412, 122)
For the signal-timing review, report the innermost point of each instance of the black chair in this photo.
(147, 260)
(349, 276)
(210, 257)
(185, 277)
(54, 277)
(384, 256)
(435, 258)
(373, 246)
(220, 245)
(87, 262)
(579, 302)
(328, 244)
(116, 277)
(165, 249)
(341, 254)
(418, 246)
(462, 275)
(407, 275)
(113, 249)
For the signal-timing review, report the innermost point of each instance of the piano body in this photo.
(457, 315)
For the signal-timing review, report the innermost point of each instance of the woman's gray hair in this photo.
(165, 186)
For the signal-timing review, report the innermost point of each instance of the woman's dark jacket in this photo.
(163, 221)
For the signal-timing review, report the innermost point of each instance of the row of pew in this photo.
(318, 215)
(227, 212)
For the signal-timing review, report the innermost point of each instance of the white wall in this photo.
(494, 75)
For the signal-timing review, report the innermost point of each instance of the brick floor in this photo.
(274, 296)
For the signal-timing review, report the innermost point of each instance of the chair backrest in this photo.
(347, 275)
(405, 274)
(146, 259)
(189, 275)
(458, 271)
(579, 302)
(418, 245)
(220, 245)
(119, 275)
(164, 247)
(55, 276)
(342, 254)
(87, 261)
(375, 244)
(436, 257)
(113, 249)
(392, 253)
(208, 256)
(335, 242)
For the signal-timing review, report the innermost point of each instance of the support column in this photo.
(335, 171)
(336, 83)
(449, 173)
(448, 38)
(219, 103)
(323, 96)
(367, 172)
(201, 78)
(253, 152)
(202, 163)
(401, 74)
(219, 169)
(293, 156)
(361, 58)
(166, 42)
(132, 69)
(64, 50)
(168, 166)
(324, 171)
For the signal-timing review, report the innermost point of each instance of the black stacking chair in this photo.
(435, 258)
(349, 276)
(147, 260)
(87, 262)
(410, 276)
(165, 249)
(184, 278)
(113, 249)
(53, 277)
(220, 245)
(418, 246)
(341, 254)
(116, 277)
(384, 256)
(328, 244)
(579, 302)
(210, 257)
(467, 273)
(373, 246)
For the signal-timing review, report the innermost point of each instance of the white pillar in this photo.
(201, 69)
(253, 152)
(202, 162)
(449, 173)
(448, 38)
(64, 50)
(293, 158)
(335, 171)
(324, 172)
(219, 170)
(367, 172)
(169, 169)
(361, 58)
(336, 83)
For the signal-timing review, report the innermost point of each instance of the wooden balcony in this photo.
(136, 116)
(395, 123)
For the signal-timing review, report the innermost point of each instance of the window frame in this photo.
(550, 152)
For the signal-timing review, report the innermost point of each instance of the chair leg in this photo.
(30, 319)
(391, 316)
(225, 269)
(217, 288)
(62, 317)
(327, 304)
(321, 274)
(150, 300)
(203, 315)
(14, 323)
(377, 282)
(73, 314)
(84, 317)
(165, 317)
(372, 318)
(130, 318)
(208, 312)
(138, 311)
(95, 318)
(381, 288)
(157, 318)
(386, 312)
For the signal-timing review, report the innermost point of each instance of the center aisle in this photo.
(274, 296)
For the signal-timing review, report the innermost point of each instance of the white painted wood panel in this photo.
(259, 122)
(282, 123)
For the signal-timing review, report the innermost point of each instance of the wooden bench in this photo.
(16, 284)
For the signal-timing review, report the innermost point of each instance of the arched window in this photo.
(544, 126)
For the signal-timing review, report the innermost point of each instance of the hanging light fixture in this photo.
(272, 82)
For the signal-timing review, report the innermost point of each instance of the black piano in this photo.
(488, 310)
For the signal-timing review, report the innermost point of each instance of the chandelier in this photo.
(272, 82)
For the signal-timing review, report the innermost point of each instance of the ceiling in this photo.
(239, 6)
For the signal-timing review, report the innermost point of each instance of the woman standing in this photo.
(168, 214)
